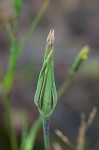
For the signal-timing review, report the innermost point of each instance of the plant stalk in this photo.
(45, 122)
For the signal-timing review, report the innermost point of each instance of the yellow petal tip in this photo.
(84, 52)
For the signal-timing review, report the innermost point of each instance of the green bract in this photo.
(46, 96)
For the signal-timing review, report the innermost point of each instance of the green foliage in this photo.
(17, 7)
(46, 95)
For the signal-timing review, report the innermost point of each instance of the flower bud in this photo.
(46, 96)
(82, 55)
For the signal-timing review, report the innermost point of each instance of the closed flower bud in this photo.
(82, 55)
(46, 96)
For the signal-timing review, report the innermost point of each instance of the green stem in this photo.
(13, 140)
(34, 24)
(45, 122)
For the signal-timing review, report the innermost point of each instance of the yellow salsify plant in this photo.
(15, 51)
(46, 95)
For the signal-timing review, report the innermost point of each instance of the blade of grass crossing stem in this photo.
(30, 140)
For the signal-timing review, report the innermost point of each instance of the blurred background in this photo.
(76, 23)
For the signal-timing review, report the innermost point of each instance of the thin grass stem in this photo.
(34, 24)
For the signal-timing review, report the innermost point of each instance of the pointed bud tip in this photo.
(84, 52)
(51, 37)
